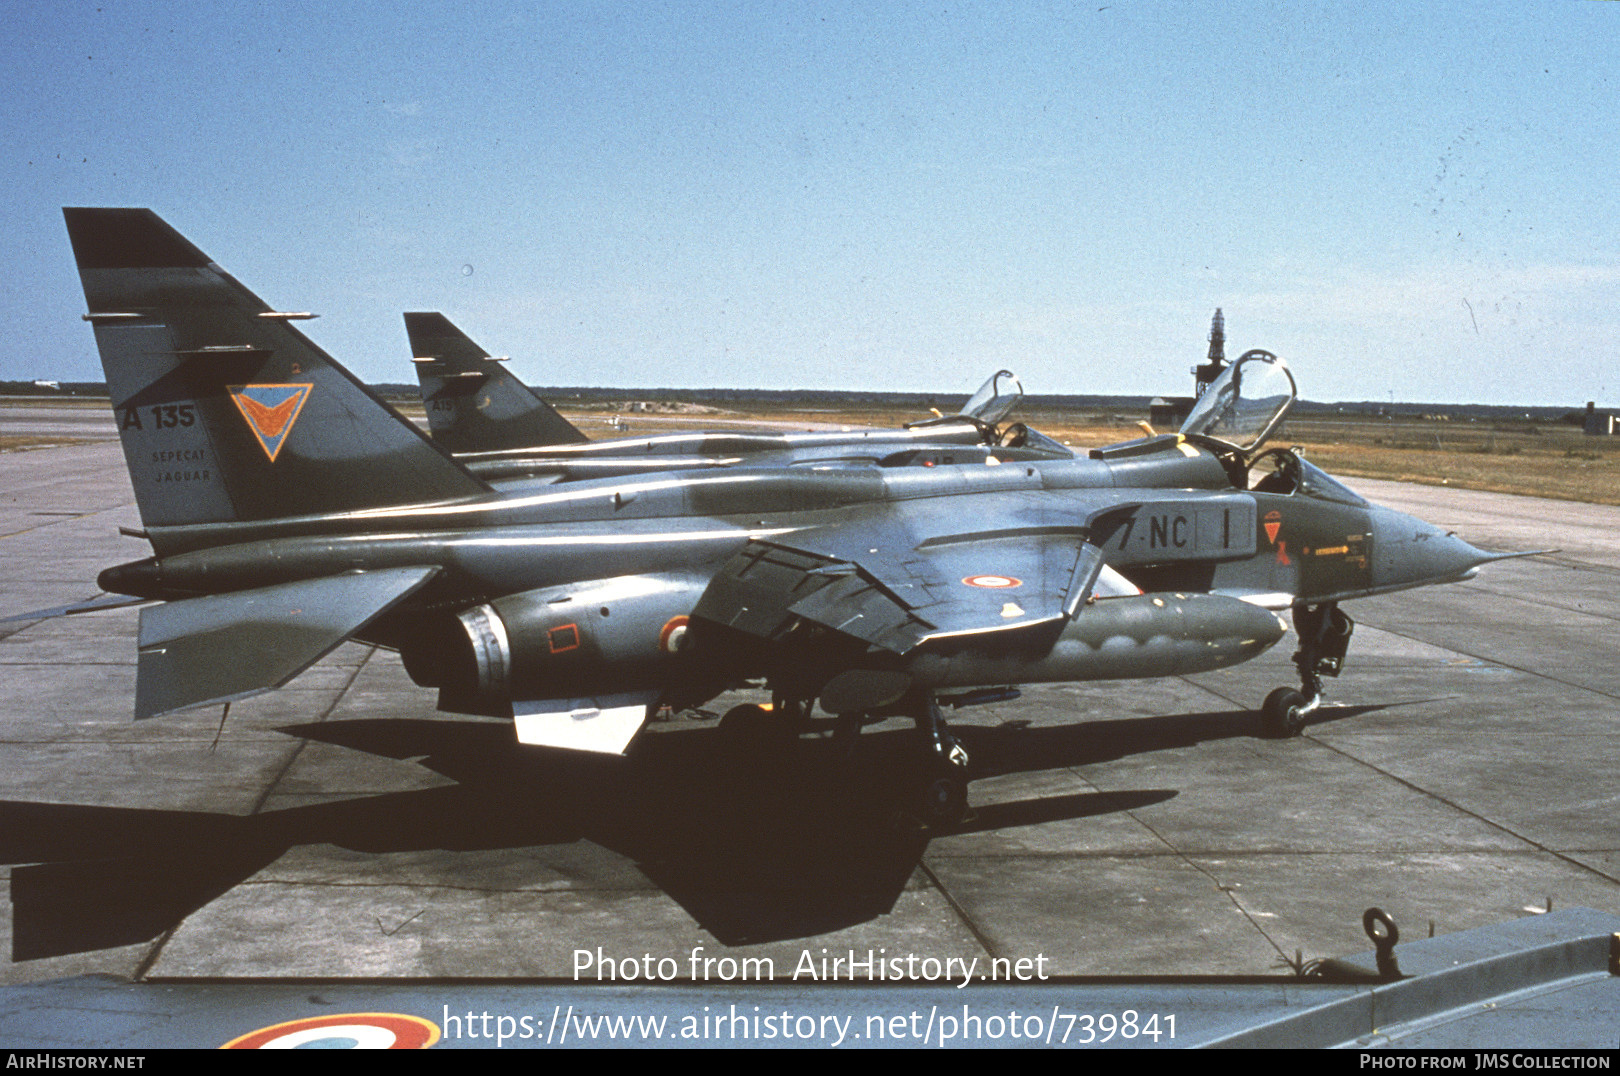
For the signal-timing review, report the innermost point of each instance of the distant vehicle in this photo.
(288, 510)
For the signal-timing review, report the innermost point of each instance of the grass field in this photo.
(1536, 458)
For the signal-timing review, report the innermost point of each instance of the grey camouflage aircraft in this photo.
(288, 510)
(497, 427)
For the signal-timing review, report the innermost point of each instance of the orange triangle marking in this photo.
(270, 411)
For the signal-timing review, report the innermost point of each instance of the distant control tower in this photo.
(1217, 355)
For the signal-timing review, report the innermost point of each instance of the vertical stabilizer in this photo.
(474, 404)
(225, 410)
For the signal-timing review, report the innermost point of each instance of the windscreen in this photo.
(1315, 482)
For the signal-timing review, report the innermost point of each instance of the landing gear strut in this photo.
(945, 800)
(940, 799)
(1324, 638)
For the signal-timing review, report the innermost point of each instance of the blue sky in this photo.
(1404, 200)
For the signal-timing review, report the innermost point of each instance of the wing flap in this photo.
(899, 599)
(230, 646)
(768, 586)
(857, 603)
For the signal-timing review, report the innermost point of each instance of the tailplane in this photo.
(474, 404)
(225, 410)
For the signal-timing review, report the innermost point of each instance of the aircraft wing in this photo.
(229, 646)
(897, 596)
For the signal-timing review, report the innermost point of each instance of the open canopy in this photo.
(995, 399)
(1246, 403)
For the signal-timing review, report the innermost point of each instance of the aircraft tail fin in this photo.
(474, 404)
(226, 411)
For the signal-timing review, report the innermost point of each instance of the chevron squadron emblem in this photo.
(270, 411)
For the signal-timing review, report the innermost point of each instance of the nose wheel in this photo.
(1324, 639)
(1283, 714)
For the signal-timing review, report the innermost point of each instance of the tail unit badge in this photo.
(270, 411)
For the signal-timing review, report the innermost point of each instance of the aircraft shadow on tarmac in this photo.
(812, 840)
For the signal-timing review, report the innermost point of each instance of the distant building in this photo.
(1168, 414)
(1600, 423)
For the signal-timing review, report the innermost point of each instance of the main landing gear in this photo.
(945, 799)
(1324, 637)
(762, 734)
(753, 732)
(757, 735)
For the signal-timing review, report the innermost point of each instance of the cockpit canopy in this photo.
(1245, 404)
(995, 399)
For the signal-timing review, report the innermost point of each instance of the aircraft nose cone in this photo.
(1408, 552)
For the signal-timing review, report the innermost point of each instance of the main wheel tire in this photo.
(945, 801)
(753, 733)
(1279, 714)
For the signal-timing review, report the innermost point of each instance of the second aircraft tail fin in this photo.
(474, 404)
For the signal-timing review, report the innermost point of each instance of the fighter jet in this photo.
(288, 510)
(497, 427)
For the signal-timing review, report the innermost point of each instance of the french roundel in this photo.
(993, 582)
(673, 638)
(350, 1031)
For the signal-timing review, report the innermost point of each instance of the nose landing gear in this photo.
(1324, 638)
